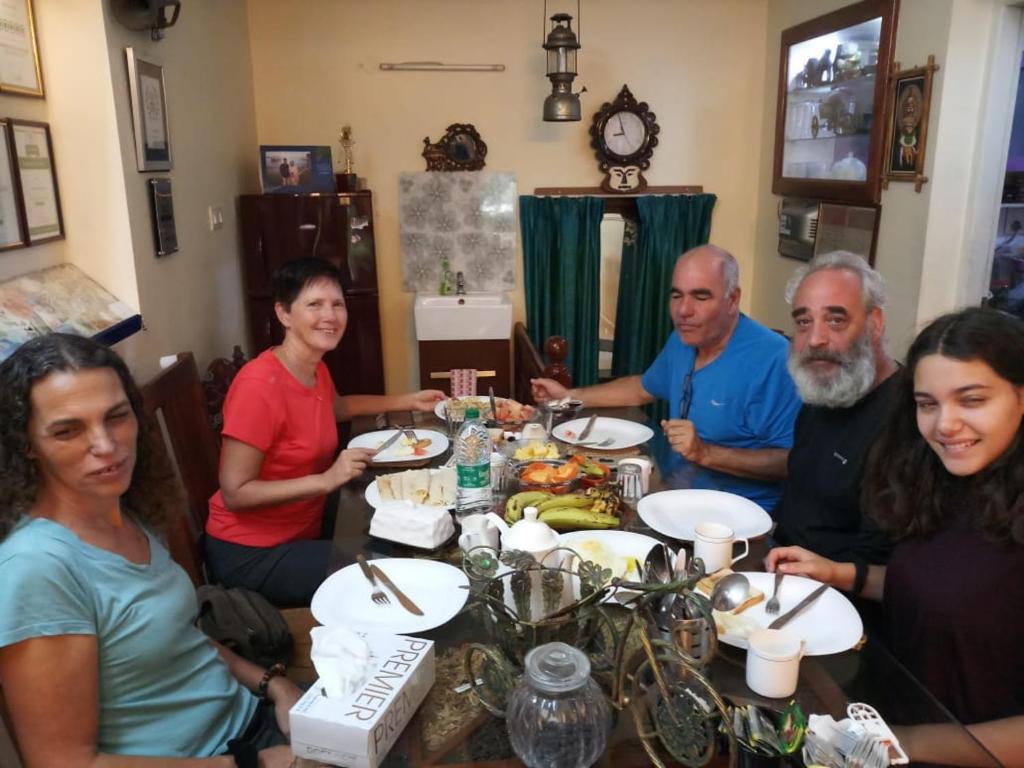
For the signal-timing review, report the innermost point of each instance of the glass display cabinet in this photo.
(830, 123)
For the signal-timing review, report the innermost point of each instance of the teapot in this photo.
(530, 535)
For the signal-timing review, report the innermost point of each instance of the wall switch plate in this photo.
(216, 214)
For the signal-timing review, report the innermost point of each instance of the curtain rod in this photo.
(437, 66)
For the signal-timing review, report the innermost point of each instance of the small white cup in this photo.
(645, 471)
(713, 545)
(478, 531)
(773, 662)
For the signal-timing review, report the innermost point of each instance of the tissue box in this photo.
(356, 731)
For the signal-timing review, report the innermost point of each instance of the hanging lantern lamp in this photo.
(561, 44)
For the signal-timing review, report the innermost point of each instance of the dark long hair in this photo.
(153, 490)
(907, 490)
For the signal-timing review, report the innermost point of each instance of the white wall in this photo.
(697, 63)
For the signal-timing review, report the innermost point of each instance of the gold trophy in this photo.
(347, 181)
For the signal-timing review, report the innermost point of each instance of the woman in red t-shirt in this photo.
(280, 439)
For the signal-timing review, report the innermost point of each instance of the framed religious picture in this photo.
(910, 96)
(36, 177)
(19, 50)
(12, 225)
(149, 114)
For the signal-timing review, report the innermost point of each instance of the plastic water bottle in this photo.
(473, 467)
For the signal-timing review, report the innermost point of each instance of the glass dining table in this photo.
(452, 728)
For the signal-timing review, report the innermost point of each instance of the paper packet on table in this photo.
(371, 698)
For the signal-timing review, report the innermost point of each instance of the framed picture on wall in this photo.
(12, 224)
(909, 100)
(37, 180)
(19, 65)
(149, 114)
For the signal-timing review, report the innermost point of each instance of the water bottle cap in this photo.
(472, 413)
(557, 668)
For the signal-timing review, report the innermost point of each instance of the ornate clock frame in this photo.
(619, 170)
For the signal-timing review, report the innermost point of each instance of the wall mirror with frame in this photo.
(830, 121)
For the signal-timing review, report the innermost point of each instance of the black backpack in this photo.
(245, 622)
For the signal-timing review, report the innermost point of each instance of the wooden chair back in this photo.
(176, 395)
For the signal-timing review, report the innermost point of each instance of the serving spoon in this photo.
(730, 592)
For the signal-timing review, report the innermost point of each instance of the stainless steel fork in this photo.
(772, 606)
(378, 596)
(603, 444)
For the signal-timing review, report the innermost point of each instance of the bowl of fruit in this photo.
(550, 475)
(593, 473)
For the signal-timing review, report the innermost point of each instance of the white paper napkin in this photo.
(341, 658)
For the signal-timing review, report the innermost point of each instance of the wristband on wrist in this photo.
(244, 753)
(860, 578)
(275, 671)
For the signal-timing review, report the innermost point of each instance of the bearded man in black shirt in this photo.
(845, 378)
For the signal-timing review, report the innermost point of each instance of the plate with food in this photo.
(509, 411)
(829, 625)
(426, 445)
(677, 513)
(622, 552)
(423, 487)
(607, 434)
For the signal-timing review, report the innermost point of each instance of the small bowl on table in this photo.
(549, 475)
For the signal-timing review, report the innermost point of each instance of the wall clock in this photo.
(624, 134)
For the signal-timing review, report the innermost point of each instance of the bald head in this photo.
(718, 259)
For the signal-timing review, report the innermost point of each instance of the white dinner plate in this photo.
(621, 544)
(373, 441)
(438, 589)
(442, 405)
(829, 625)
(677, 513)
(374, 500)
(624, 434)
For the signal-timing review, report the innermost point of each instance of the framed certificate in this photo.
(149, 114)
(19, 51)
(37, 179)
(12, 225)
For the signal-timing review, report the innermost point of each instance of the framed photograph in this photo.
(909, 100)
(296, 170)
(149, 114)
(12, 224)
(851, 228)
(37, 179)
(19, 50)
(165, 234)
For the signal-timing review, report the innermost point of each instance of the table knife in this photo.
(798, 608)
(408, 604)
(388, 443)
(494, 406)
(586, 430)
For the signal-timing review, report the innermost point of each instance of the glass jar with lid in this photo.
(558, 717)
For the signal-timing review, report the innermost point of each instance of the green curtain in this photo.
(561, 272)
(666, 226)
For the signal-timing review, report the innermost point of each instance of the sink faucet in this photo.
(460, 284)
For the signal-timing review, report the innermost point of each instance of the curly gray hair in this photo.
(872, 284)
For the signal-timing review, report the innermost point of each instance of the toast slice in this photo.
(707, 585)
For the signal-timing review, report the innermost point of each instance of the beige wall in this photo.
(192, 299)
(923, 29)
(698, 64)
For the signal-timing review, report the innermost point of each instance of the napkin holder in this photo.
(357, 730)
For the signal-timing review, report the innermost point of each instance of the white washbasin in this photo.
(476, 315)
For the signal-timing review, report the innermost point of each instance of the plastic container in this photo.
(472, 452)
(558, 717)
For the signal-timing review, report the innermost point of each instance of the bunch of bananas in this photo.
(567, 512)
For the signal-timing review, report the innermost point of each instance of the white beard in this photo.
(842, 388)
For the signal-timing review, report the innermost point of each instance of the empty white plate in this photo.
(438, 589)
(623, 433)
(677, 513)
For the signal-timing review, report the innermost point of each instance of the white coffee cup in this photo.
(713, 545)
(773, 662)
(645, 471)
(478, 531)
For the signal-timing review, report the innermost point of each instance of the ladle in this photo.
(730, 592)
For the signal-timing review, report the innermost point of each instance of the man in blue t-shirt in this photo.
(732, 403)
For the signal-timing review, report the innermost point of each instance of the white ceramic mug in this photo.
(477, 531)
(773, 662)
(645, 471)
(713, 545)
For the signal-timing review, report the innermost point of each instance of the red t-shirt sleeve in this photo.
(251, 414)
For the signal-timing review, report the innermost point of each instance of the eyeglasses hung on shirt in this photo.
(687, 399)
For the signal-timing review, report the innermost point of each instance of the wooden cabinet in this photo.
(491, 358)
(338, 228)
(831, 116)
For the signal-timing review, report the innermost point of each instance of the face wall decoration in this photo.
(623, 179)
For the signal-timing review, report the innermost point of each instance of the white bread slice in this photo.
(416, 485)
(386, 486)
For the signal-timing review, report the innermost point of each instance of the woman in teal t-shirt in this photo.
(99, 657)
